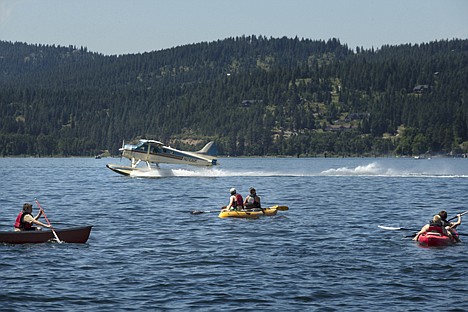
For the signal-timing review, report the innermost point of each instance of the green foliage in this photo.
(252, 95)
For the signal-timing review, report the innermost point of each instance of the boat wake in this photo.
(204, 172)
(371, 169)
(375, 169)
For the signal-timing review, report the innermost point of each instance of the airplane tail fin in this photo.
(209, 149)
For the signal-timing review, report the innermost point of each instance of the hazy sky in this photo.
(132, 26)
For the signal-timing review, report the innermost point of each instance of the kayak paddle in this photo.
(391, 228)
(281, 208)
(461, 214)
(277, 207)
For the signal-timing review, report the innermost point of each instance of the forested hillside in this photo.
(252, 95)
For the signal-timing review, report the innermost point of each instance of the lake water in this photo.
(148, 252)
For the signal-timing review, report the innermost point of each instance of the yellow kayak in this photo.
(254, 213)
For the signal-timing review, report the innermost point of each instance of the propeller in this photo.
(121, 150)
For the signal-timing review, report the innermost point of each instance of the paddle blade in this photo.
(206, 211)
(389, 228)
(282, 208)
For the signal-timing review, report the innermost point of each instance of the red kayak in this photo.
(435, 238)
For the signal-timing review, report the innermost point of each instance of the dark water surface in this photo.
(147, 251)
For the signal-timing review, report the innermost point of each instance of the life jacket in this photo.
(239, 202)
(251, 203)
(20, 224)
(445, 223)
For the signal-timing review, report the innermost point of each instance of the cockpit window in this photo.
(154, 149)
(142, 146)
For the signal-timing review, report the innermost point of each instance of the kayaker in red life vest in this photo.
(236, 201)
(25, 220)
(252, 200)
(435, 222)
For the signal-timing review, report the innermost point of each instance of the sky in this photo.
(116, 27)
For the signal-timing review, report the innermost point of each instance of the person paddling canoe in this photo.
(25, 220)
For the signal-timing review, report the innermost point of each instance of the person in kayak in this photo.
(450, 226)
(252, 200)
(25, 220)
(235, 201)
(435, 222)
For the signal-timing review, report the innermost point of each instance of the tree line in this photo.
(253, 95)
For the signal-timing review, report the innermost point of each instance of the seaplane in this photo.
(154, 152)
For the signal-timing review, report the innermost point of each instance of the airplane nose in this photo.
(126, 147)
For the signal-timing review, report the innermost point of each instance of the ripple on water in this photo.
(147, 251)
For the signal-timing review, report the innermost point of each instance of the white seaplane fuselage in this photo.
(155, 152)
